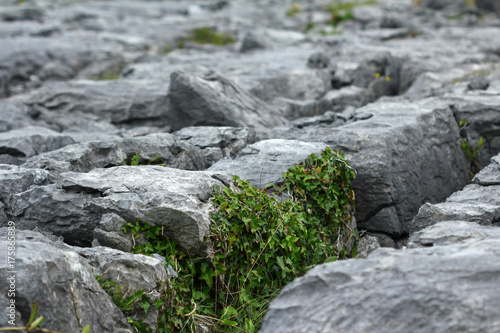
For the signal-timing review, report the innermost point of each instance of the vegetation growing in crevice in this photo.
(136, 160)
(260, 241)
(205, 35)
(342, 11)
(471, 151)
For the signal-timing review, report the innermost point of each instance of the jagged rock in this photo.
(452, 232)
(63, 282)
(109, 233)
(76, 205)
(478, 203)
(264, 162)
(490, 175)
(13, 180)
(155, 148)
(427, 289)
(213, 100)
(22, 143)
(366, 245)
(217, 142)
(23, 58)
(132, 272)
(398, 164)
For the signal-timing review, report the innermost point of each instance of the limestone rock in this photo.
(155, 148)
(63, 282)
(422, 289)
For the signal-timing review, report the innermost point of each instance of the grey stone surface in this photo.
(24, 58)
(264, 162)
(13, 180)
(135, 103)
(132, 272)
(217, 142)
(63, 282)
(101, 71)
(475, 203)
(490, 175)
(213, 100)
(399, 165)
(19, 144)
(100, 154)
(450, 286)
(74, 207)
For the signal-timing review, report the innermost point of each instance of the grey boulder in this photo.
(405, 154)
(478, 202)
(78, 203)
(13, 180)
(137, 102)
(214, 100)
(63, 282)
(132, 273)
(451, 286)
(217, 142)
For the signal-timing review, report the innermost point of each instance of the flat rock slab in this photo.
(452, 288)
(74, 207)
(475, 203)
(83, 157)
(404, 153)
(119, 102)
(70, 298)
(265, 162)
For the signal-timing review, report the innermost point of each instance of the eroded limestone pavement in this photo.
(85, 85)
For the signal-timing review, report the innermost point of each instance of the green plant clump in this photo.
(470, 151)
(205, 35)
(260, 242)
(342, 11)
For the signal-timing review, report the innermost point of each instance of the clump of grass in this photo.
(342, 11)
(205, 35)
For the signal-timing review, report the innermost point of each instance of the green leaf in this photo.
(86, 329)
(34, 312)
(229, 323)
(36, 323)
(280, 262)
(249, 326)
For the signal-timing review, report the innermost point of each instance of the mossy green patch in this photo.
(342, 11)
(205, 35)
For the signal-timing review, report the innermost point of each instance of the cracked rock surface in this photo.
(87, 85)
